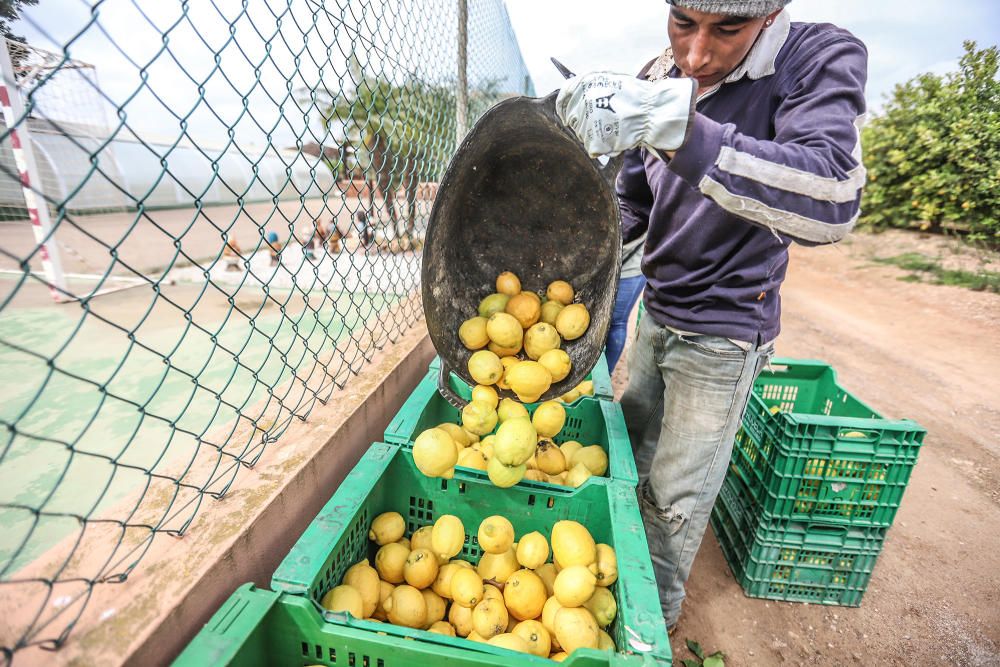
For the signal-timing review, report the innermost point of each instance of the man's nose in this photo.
(700, 52)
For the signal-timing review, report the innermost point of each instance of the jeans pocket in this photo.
(715, 346)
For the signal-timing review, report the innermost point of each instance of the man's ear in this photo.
(770, 18)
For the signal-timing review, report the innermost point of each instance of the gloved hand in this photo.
(612, 113)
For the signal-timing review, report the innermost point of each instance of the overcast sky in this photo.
(904, 37)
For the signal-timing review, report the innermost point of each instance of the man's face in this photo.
(707, 47)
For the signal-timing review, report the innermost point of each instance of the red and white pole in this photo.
(38, 209)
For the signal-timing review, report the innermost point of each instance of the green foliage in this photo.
(933, 155)
(10, 10)
(923, 268)
(717, 659)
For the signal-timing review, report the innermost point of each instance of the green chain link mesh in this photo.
(238, 205)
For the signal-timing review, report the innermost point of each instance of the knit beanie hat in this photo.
(748, 8)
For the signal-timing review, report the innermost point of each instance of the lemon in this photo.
(442, 628)
(594, 457)
(526, 308)
(390, 561)
(436, 607)
(569, 448)
(574, 585)
(434, 453)
(502, 352)
(473, 334)
(515, 441)
(508, 283)
(524, 594)
(577, 475)
(547, 573)
(456, 432)
(406, 606)
(529, 380)
(560, 291)
(509, 409)
(491, 592)
(535, 636)
(559, 657)
(421, 538)
(498, 567)
(535, 476)
(363, 578)
(607, 565)
(549, 458)
(504, 330)
(502, 475)
(605, 642)
(549, 610)
(486, 394)
(471, 458)
(461, 619)
(572, 544)
(442, 582)
(539, 339)
(602, 605)
(344, 598)
(532, 550)
(532, 295)
(559, 479)
(570, 396)
(466, 587)
(486, 447)
(573, 321)
(586, 388)
(557, 363)
(384, 591)
(447, 536)
(550, 311)
(387, 527)
(494, 303)
(549, 419)
(496, 534)
(420, 569)
(489, 618)
(576, 628)
(511, 641)
(485, 367)
(479, 417)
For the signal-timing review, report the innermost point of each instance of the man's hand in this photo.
(612, 113)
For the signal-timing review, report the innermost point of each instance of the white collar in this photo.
(758, 63)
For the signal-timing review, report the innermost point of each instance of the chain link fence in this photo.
(212, 216)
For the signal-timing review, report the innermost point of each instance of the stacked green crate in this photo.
(815, 481)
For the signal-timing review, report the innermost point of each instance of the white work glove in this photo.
(612, 113)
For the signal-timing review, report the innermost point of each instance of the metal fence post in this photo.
(462, 98)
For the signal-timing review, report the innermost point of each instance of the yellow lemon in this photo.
(498, 567)
(447, 536)
(572, 544)
(534, 296)
(420, 569)
(508, 283)
(503, 475)
(586, 388)
(529, 380)
(535, 476)
(607, 565)
(471, 458)
(387, 527)
(515, 441)
(570, 396)
(577, 475)
(461, 619)
(573, 321)
(406, 606)
(574, 585)
(539, 339)
(504, 330)
(436, 607)
(486, 394)
(485, 367)
(390, 561)
(344, 598)
(569, 448)
(489, 618)
(466, 587)
(456, 432)
(479, 417)
(560, 291)
(576, 628)
(434, 452)
(525, 308)
(524, 594)
(509, 409)
(442, 582)
(496, 534)
(363, 578)
(549, 419)
(384, 591)
(535, 636)
(550, 311)
(473, 334)
(421, 538)
(594, 457)
(549, 458)
(602, 605)
(557, 363)
(605, 642)
(494, 303)
(511, 641)
(442, 628)
(547, 573)
(532, 550)
(502, 352)
(549, 610)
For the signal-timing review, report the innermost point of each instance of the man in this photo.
(740, 138)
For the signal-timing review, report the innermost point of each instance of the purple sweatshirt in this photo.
(773, 156)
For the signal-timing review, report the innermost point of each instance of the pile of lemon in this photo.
(514, 597)
(517, 336)
(522, 446)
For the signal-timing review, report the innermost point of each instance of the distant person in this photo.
(274, 247)
(232, 255)
(365, 230)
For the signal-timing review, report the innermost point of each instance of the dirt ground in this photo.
(920, 351)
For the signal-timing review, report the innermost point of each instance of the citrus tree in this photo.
(933, 153)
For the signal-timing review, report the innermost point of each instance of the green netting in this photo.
(219, 224)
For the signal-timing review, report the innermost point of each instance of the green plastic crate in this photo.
(386, 479)
(599, 375)
(589, 421)
(826, 456)
(258, 628)
(792, 561)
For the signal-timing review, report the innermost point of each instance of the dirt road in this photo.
(925, 352)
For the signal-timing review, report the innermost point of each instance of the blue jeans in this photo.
(685, 399)
(629, 290)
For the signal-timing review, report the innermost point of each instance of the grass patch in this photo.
(929, 269)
